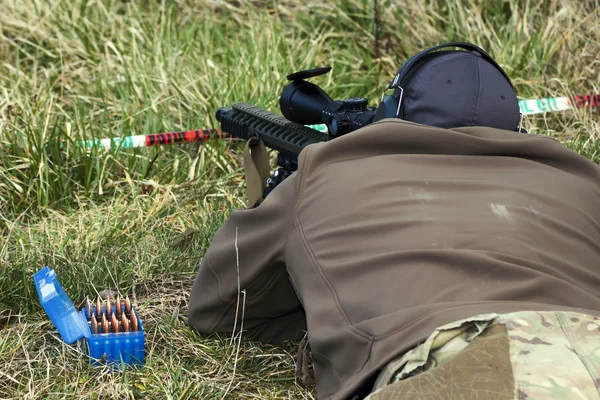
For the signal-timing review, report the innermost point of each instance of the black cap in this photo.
(454, 88)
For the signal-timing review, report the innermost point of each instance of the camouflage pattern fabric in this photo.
(522, 355)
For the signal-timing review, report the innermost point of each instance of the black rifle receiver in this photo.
(244, 121)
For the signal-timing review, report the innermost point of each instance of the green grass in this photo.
(78, 70)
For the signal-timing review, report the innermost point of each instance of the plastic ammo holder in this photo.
(111, 348)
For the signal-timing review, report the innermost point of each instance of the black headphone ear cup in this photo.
(387, 108)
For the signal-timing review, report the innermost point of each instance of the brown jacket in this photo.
(386, 233)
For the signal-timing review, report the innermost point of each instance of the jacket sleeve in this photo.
(272, 312)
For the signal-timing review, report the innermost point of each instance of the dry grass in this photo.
(88, 69)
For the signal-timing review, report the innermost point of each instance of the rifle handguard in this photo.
(245, 121)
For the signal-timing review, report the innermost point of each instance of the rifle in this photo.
(302, 103)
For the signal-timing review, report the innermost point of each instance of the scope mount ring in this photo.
(308, 73)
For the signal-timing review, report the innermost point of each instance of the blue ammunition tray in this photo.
(109, 347)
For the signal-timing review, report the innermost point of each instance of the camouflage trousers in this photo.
(522, 355)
